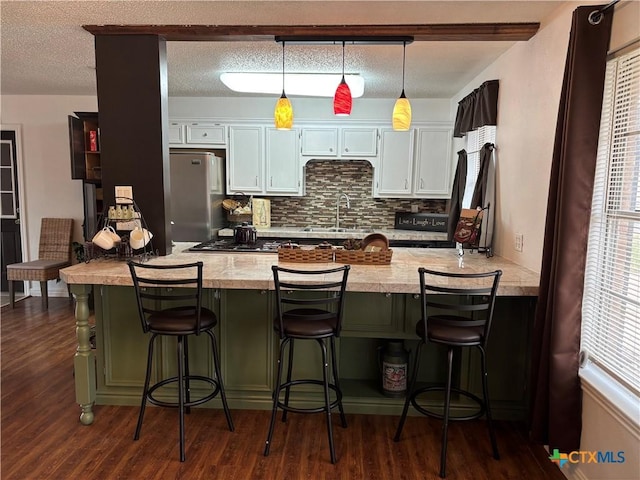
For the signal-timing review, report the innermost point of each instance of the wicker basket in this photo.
(299, 255)
(359, 257)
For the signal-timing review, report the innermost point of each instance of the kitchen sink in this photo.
(334, 229)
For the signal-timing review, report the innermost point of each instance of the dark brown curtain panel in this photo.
(477, 109)
(459, 184)
(556, 413)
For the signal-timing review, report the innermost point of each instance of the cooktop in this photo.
(229, 245)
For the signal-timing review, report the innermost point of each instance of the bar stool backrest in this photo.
(150, 283)
(476, 294)
(311, 280)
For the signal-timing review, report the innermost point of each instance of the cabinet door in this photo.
(247, 343)
(320, 141)
(245, 160)
(76, 147)
(176, 133)
(433, 163)
(206, 133)
(284, 174)
(393, 176)
(359, 142)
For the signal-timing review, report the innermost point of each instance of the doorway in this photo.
(11, 234)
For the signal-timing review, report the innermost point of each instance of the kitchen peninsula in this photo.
(382, 303)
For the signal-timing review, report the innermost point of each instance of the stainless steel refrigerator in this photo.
(197, 192)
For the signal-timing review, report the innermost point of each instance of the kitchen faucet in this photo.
(340, 195)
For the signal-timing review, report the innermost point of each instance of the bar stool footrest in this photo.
(292, 383)
(192, 403)
(440, 388)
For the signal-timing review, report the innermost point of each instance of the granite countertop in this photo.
(253, 270)
(300, 232)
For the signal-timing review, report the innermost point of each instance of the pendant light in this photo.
(401, 119)
(283, 114)
(342, 99)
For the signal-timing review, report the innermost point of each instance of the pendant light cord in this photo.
(343, 60)
(283, 66)
(404, 53)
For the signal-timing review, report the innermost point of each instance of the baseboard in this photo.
(59, 289)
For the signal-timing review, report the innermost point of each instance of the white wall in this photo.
(305, 109)
(48, 189)
(530, 75)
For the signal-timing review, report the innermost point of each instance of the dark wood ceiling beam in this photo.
(229, 33)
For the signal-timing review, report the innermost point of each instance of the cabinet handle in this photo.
(204, 134)
(416, 296)
(421, 183)
(406, 183)
(271, 182)
(256, 180)
(346, 149)
(387, 295)
(330, 149)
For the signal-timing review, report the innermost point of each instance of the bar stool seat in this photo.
(308, 318)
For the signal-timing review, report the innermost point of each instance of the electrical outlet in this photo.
(414, 208)
(519, 242)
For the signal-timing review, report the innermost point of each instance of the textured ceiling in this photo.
(45, 50)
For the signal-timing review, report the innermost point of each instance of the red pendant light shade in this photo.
(342, 100)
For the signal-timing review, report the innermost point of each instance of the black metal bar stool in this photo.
(309, 318)
(176, 314)
(465, 323)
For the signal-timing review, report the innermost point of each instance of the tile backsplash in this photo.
(325, 180)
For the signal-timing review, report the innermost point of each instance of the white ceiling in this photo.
(45, 50)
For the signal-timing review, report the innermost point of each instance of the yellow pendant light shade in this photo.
(283, 113)
(401, 119)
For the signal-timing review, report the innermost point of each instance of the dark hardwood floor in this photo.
(42, 437)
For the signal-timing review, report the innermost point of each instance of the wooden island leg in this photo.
(84, 362)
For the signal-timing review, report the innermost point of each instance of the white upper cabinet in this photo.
(320, 142)
(245, 159)
(433, 162)
(263, 160)
(282, 152)
(192, 134)
(393, 177)
(415, 164)
(176, 133)
(339, 142)
(359, 142)
(204, 133)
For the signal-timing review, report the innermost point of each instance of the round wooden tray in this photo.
(375, 240)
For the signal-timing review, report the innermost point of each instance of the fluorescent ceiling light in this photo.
(310, 84)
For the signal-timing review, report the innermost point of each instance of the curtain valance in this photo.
(477, 109)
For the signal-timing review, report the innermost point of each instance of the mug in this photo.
(106, 238)
(139, 238)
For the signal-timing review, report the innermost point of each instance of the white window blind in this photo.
(475, 141)
(611, 303)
